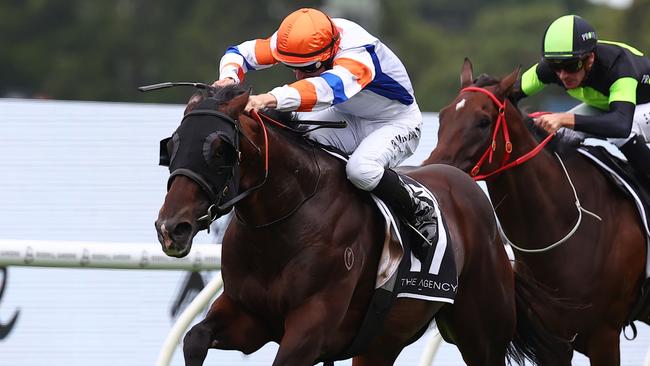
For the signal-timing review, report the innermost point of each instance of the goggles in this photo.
(308, 69)
(570, 65)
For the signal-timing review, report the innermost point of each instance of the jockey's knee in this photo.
(364, 173)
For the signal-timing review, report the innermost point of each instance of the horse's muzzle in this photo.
(175, 237)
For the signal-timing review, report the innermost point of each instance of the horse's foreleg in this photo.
(226, 326)
(306, 332)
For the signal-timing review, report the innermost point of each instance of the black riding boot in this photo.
(638, 155)
(419, 213)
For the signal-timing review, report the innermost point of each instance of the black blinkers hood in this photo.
(188, 152)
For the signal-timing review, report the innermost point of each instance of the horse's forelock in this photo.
(220, 94)
(484, 80)
(227, 93)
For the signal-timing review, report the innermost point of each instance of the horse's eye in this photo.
(219, 153)
(484, 123)
(223, 153)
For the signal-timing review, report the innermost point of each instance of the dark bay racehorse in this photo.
(300, 256)
(601, 264)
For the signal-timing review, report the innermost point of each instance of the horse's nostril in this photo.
(182, 230)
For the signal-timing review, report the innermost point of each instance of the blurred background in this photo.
(101, 50)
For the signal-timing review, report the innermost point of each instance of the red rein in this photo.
(501, 123)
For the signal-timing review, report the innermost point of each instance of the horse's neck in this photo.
(535, 195)
(293, 176)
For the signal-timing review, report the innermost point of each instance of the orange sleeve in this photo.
(307, 93)
(263, 52)
(358, 69)
(240, 71)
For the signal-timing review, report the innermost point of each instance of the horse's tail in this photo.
(532, 340)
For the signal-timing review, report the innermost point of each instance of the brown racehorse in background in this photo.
(600, 265)
(284, 266)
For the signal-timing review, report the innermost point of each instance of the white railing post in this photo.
(430, 349)
(185, 319)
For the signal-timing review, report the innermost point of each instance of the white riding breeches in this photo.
(640, 123)
(374, 145)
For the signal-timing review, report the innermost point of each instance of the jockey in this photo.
(343, 74)
(611, 79)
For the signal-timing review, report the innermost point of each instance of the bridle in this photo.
(501, 123)
(217, 209)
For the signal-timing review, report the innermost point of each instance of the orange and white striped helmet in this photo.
(305, 36)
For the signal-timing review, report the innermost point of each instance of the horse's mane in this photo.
(560, 146)
(484, 80)
(294, 132)
(226, 93)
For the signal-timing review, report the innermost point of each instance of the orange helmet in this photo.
(305, 36)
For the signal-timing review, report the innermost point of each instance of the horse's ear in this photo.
(195, 99)
(236, 105)
(466, 74)
(506, 84)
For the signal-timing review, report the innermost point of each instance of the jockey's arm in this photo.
(616, 123)
(247, 56)
(352, 70)
(528, 84)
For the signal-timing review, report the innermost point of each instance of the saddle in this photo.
(404, 269)
(636, 188)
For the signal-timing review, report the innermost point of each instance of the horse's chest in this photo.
(259, 292)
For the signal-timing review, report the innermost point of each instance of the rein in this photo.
(501, 122)
(215, 210)
(571, 232)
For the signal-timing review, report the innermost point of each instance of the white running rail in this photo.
(69, 254)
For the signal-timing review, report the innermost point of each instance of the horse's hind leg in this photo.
(226, 326)
(604, 348)
(479, 343)
(406, 318)
(482, 320)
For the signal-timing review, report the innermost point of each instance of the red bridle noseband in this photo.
(501, 123)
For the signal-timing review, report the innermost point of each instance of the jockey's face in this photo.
(574, 78)
(309, 71)
(303, 75)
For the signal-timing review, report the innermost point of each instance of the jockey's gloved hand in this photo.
(224, 82)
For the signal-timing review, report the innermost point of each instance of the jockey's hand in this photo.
(223, 82)
(261, 101)
(553, 121)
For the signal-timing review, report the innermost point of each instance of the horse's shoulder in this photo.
(428, 174)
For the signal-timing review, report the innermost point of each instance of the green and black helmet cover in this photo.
(568, 37)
